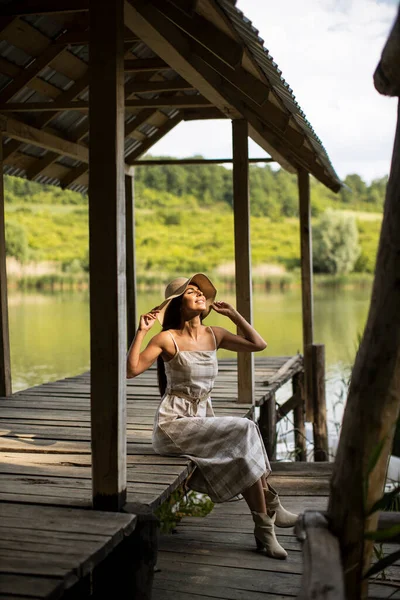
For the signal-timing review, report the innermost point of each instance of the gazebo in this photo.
(149, 65)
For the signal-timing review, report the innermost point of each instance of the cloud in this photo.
(327, 51)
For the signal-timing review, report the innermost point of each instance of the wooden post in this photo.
(298, 419)
(107, 254)
(130, 258)
(306, 283)
(373, 402)
(320, 427)
(241, 214)
(267, 424)
(5, 364)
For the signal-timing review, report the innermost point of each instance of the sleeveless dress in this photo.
(228, 452)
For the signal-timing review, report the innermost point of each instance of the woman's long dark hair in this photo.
(172, 320)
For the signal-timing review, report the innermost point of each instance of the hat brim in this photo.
(205, 285)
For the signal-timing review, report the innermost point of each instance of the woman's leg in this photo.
(255, 497)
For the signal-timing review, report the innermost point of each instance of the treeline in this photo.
(273, 192)
(184, 221)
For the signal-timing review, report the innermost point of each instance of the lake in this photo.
(49, 336)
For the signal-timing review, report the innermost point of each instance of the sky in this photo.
(327, 51)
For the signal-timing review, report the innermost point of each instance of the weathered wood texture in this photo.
(298, 418)
(373, 402)
(5, 364)
(241, 216)
(320, 425)
(131, 299)
(267, 423)
(53, 552)
(215, 556)
(322, 566)
(107, 255)
(306, 284)
(45, 437)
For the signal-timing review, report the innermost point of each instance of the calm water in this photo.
(50, 336)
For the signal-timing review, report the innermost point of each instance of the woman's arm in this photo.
(137, 362)
(250, 341)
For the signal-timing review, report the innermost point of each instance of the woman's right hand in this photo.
(147, 321)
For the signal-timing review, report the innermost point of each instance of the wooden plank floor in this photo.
(45, 437)
(47, 550)
(215, 557)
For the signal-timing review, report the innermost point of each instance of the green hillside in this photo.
(184, 218)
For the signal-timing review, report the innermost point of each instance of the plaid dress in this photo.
(228, 452)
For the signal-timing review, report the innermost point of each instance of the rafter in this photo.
(204, 32)
(82, 105)
(20, 8)
(173, 46)
(141, 65)
(51, 157)
(168, 125)
(285, 143)
(173, 85)
(73, 176)
(196, 114)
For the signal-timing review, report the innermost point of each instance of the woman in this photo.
(228, 452)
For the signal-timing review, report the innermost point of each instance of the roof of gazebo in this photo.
(184, 60)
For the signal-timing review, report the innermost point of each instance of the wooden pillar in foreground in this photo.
(107, 254)
(5, 364)
(306, 284)
(131, 301)
(241, 212)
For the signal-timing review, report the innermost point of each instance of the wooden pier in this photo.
(46, 478)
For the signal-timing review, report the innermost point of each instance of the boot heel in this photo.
(260, 545)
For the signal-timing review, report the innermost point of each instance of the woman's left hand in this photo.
(223, 308)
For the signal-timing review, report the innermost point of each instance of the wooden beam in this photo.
(268, 125)
(214, 40)
(183, 101)
(21, 8)
(306, 285)
(141, 65)
(30, 135)
(131, 300)
(320, 425)
(161, 36)
(5, 362)
(168, 125)
(196, 161)
(197, 114)
(51, 157)
(73, 176)
(300, 440)
(145, 87)
(81, 38)
(241, 216)
(29, 73)
(107, 256)
(322, 577)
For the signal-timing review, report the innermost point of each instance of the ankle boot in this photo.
(284, 518)
(265, 537)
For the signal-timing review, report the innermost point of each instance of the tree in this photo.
(16, 242)
(335, 243)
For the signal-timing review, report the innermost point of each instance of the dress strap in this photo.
(215, 339)
(173, 339)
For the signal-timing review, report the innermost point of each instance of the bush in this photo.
(16, 241)
(335, 243)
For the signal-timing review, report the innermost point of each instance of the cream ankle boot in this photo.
(284, 518)
(264, 534)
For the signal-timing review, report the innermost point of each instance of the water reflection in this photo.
(49, 334)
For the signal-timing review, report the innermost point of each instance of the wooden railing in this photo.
(271, 413)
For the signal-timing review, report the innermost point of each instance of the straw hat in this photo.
(178, 286)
